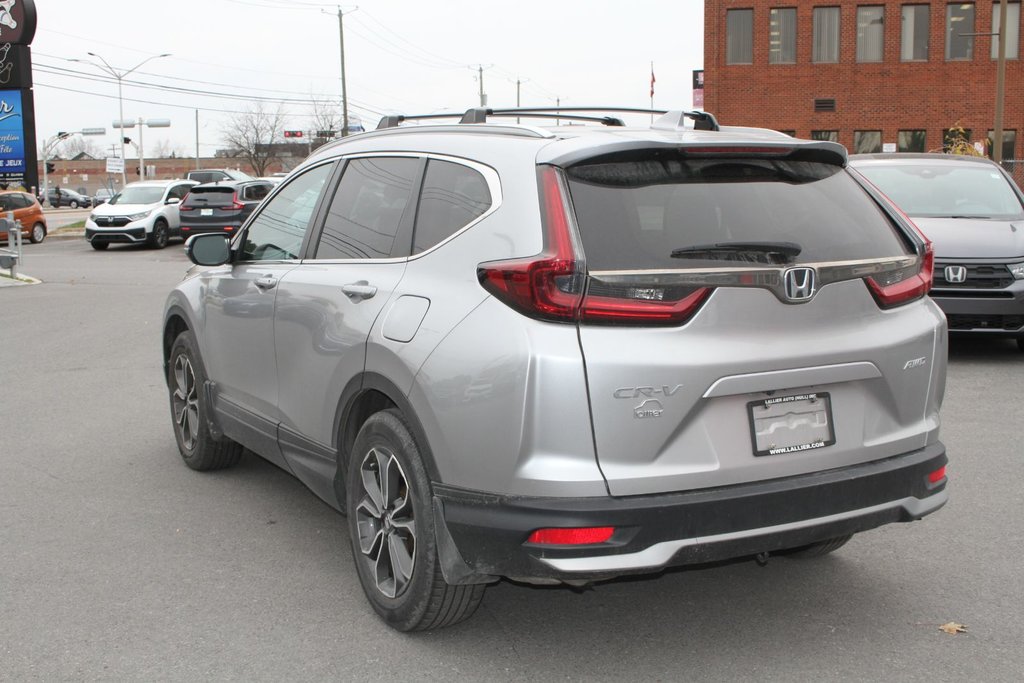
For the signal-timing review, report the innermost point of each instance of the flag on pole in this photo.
(652, 79)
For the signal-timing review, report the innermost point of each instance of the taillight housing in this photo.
(553, 285)
(572, 535)
(235, 204)
(899, 287)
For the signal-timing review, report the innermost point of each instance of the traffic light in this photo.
(50, 167)
(137, 171)
(127, 141)
(293, 133)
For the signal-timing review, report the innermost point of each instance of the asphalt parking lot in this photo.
(117, 562)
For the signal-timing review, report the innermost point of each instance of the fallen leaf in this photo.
(952, 628)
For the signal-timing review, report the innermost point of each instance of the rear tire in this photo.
(161, 234)
(818, 549)
(73, 203)
(99, 246)
(190, 413)
(38, 233)
(391, 526)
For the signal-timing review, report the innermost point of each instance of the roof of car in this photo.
(230, 184)
(567, 144)
(159, 183)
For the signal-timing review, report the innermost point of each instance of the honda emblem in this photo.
(955, 274)
(800, 284)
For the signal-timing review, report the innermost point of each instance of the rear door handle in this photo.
(357, 291)
(266, 282)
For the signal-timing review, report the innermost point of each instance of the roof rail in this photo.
(670, 120)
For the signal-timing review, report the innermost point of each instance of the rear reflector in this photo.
(937, 476)
(572, 536)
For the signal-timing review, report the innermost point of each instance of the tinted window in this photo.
(277, 232)
(20, 201)
(634, 214)
(739, 36)
(211, 196)
(453, 196)
(255, 192)
(367, 208)
(178, 191)
(6, 203)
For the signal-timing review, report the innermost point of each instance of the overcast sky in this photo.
(401, 56)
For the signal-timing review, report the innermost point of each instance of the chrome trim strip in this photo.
(659, 554)
(763, 277)
(732, 385)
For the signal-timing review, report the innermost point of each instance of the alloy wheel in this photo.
(186, 402)
(386, 523)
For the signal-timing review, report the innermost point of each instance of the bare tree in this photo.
(76, 144)
(165, 149)
(255, 134)
(326, 116)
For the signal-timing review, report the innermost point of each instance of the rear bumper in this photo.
(484, 536)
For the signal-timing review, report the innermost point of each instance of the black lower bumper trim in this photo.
(490, 531)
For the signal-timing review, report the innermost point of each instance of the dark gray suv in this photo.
(566, 354)
(974, 213)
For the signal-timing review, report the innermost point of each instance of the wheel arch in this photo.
(365, 395)
(175, 322)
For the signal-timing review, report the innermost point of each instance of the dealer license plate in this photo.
(790, 424)
(205, 212)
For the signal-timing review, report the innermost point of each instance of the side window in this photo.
(453, 196)
(178, 192)
(277, 232)
(24, 201)
(6, 203)
(255, 192)
(367, 209)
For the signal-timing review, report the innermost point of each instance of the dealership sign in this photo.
(12, 135)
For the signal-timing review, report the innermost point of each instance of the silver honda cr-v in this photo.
(567, 354)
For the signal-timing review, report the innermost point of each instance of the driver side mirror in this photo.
(173, 200)
(210, 249)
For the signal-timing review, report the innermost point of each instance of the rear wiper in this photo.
(976, 218)
(752, 252)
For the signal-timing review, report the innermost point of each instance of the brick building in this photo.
(885, 75)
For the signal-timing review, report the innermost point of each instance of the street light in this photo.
(120, 100)
(151, 123)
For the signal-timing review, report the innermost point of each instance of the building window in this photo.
(827, 135)
(867, 141)
(782, 36)
(826, 35)
(870, 33)
(739, 36)
(914, 33)
(910, 141)
(959, 24)
(1009, 142)
(1012, 30)
(790, 133)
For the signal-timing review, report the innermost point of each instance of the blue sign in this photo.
(12, 135)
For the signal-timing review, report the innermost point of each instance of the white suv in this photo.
(142, 212)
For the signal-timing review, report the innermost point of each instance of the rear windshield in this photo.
(210, 196)
(635, 213)
(945, 190)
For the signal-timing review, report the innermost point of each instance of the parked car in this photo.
(221, 207)
(567, 354)
(102, 196)
(61, 197)
(213, 175)
(28, 214)
(974, 213)
(143, 212)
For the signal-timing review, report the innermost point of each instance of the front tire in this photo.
(100, 246)
(391, 526)
(190, 413)
(161, 234)
(73, 204)
(38, 233)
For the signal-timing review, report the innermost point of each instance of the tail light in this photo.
(553, 285)
(235, 204)
(182, 207)
(902, 286)
(937, 476)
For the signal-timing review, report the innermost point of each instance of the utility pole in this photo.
(344, 91)
(197, 139)
(483, 97)
(519, 84)
(997, 134)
